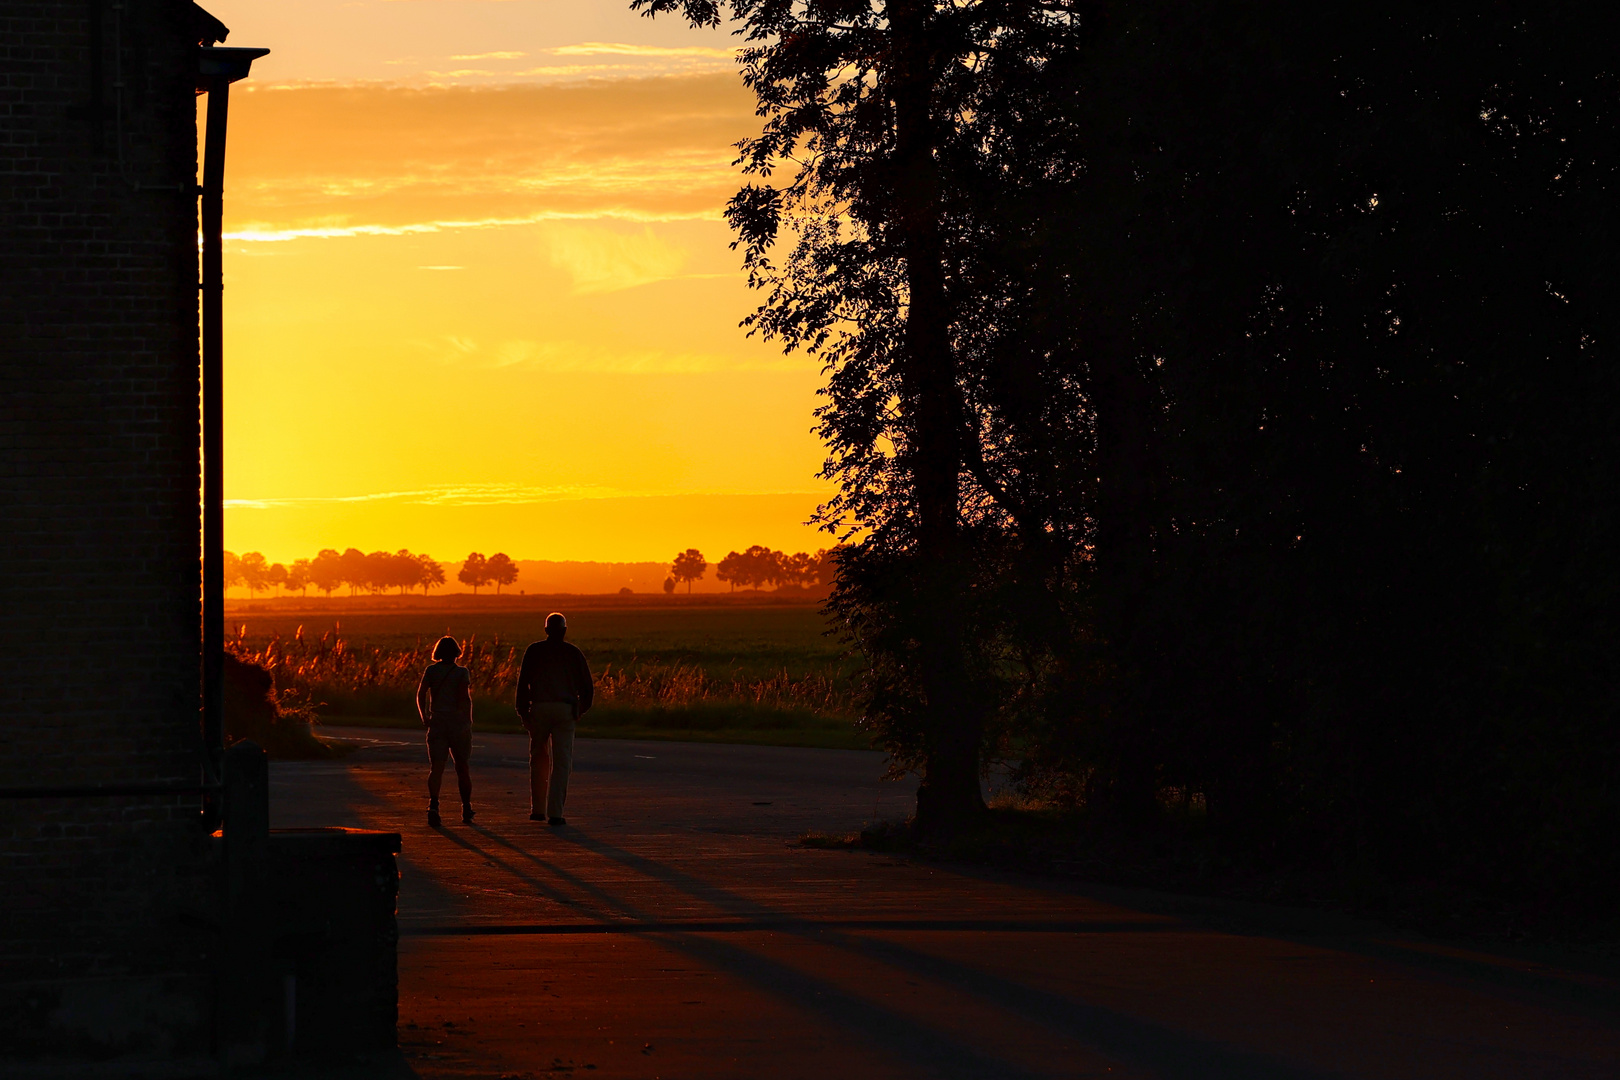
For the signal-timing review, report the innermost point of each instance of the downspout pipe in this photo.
(217, 68)
(213, 431)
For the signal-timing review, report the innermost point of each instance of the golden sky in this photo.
(479, 294)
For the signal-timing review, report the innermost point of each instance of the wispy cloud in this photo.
(593, 275)
(486, 495)
(603, 260)
(572, 63)
(379, 160)
(616, 48)
(560, 356)
(459, 495)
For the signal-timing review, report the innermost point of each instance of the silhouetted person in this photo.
(444, 701)
(554, 689)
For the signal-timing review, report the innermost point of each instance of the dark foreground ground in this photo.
(674, 929)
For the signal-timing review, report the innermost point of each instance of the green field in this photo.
(742, 672)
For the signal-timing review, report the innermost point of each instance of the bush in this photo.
(253, 710)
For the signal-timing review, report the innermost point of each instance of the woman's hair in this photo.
(446, 649)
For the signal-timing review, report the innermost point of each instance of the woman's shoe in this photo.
(466, 813)
(433, 817)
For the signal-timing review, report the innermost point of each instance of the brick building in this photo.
(112, 910)
(104, 899)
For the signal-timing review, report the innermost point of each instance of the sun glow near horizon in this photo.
(480, 312)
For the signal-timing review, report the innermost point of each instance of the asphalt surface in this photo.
(674, 928)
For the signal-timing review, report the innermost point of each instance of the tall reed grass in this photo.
(338, 677)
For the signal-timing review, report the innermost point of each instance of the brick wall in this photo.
(106, 902)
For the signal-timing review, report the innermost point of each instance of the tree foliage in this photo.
(864, 104)
(326, 571)
(354, 567)
(431, 574)
(500, 570)
(760, 566)
(253, 569)
(1224, 393)
(473, 571)
(374, 573)
(688, 566)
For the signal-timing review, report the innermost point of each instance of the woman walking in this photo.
(444, 701)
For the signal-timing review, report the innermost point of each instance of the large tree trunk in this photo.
(1126, 509)
(949, 796)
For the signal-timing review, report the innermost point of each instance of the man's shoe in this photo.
(554, 822)
(466, 813)
(536, 816)
(433, 818)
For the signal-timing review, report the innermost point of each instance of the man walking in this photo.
(554, 690)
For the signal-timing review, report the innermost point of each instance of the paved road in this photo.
(673, 929)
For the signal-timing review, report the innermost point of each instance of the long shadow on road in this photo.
(923, 1046)
(1144, 1044)
(1149, 991)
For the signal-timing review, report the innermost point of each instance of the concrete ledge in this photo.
(333, 842)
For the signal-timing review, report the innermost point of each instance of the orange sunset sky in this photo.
(479, 294)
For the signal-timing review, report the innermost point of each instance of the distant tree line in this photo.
(376, 572)
(381, 571)
(756, 567)
(1226, 397)
(497, 570)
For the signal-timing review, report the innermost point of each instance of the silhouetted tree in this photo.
(232, 568)
(254, 571)
(298, 576)
(277, 576)
(770, 566)
(500, 570)
(689, 566)
(355, 569)
(1225, 395)
(399, 570)
(728, 569)
(861, 100)
(326, 571)
(379, 571)
(669, 586)
(797, 569)
(472, 572)
(405, 570)
(757, 566)
(765, 566)
(428, 574)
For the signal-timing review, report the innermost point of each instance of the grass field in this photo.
(750, 641)
(707, 673)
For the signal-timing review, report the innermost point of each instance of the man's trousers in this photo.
(551, 756)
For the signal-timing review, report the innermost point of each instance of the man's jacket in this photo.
(554, 670)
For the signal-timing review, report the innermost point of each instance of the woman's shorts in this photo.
(456, 741)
